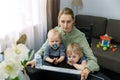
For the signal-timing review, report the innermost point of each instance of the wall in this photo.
(103, 8)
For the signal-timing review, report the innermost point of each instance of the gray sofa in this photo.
(101, 25)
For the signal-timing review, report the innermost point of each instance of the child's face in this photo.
(73, 58)
(54, 40)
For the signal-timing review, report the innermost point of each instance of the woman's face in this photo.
(66, 22)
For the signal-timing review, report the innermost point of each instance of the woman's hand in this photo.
(32, 63)
(84, 74)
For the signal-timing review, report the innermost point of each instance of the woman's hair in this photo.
(74, 48)
(67, 11)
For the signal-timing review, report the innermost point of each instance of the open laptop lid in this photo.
(58, 73)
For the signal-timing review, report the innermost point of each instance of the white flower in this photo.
(17, 52)
(11, 65)
(9, 69)
(3, 74)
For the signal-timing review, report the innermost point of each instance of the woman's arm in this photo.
(92, 64)
(79, 37)
(41, 50)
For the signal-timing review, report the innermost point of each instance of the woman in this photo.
(71, 34)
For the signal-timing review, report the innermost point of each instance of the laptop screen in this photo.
(58, 73)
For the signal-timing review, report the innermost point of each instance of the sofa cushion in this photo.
(107, 59)
(99, 23)
(113, 29)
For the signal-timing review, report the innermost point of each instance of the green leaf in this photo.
(31, 54)
(24, 62)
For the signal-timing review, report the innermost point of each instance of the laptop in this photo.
(59, 73)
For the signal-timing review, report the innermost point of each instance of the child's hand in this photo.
(70, 63)
(79, 66)
(55, 61)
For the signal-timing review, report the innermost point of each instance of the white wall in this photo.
(103, 8)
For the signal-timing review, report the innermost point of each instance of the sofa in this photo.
(101, 25)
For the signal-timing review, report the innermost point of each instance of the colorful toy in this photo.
(113, 47)
(105, 42)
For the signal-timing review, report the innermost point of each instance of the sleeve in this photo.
(62, 50)
(84, 58)
(46, 52)
(92, 64)
(41, 50)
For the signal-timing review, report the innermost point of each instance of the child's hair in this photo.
(74, 48)
(53, 32)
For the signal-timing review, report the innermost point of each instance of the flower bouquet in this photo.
(15, 59)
